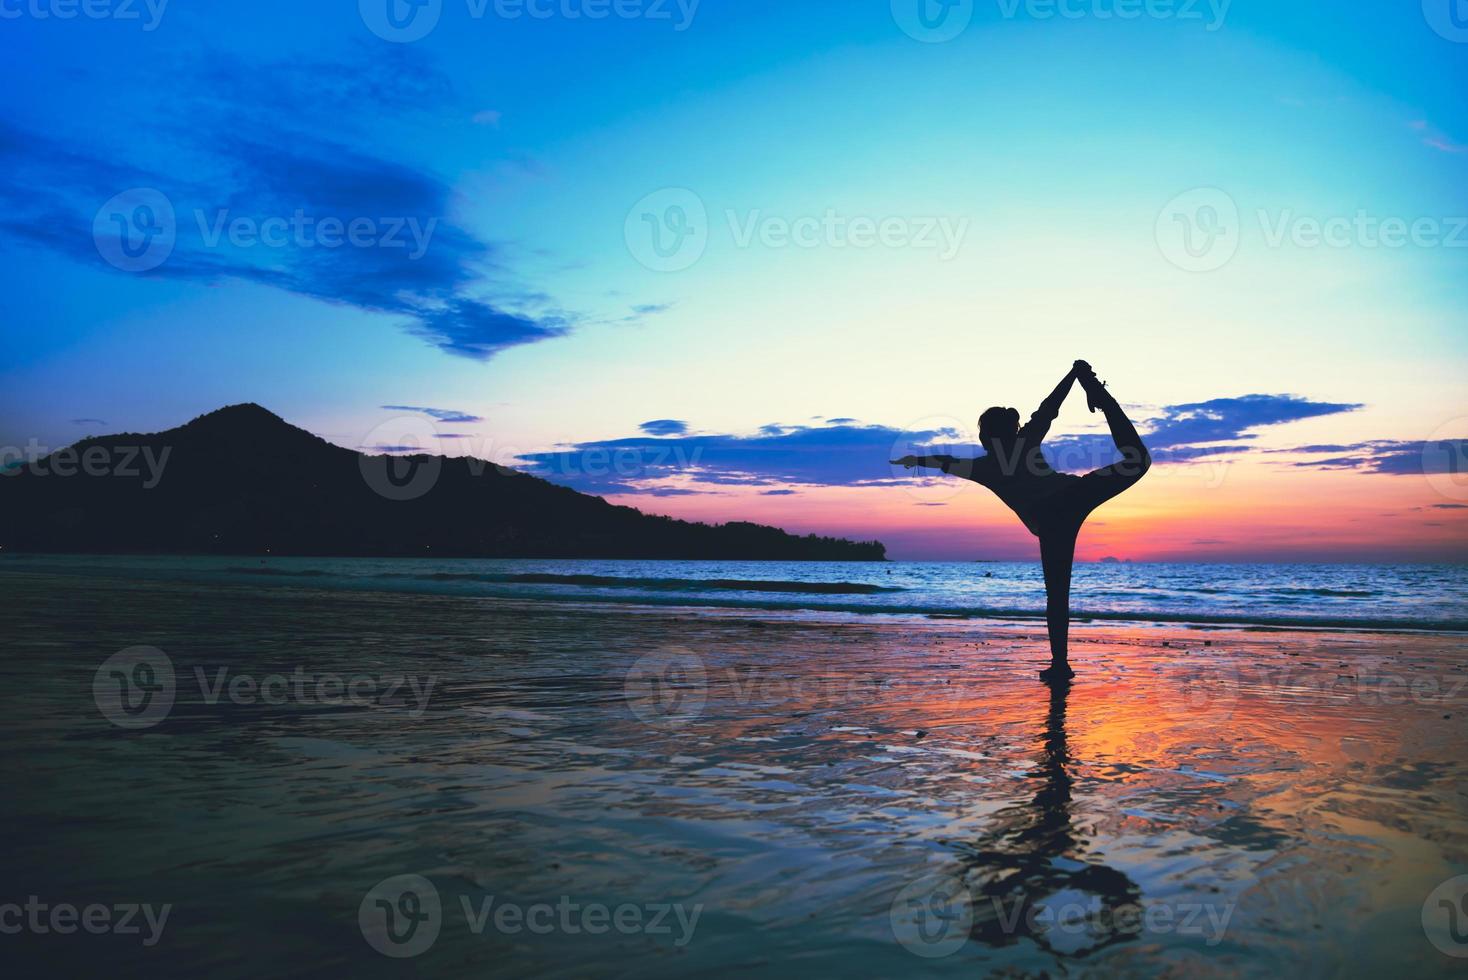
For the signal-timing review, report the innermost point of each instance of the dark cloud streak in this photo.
(441, 414)
(841, 452)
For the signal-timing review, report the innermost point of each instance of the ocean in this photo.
(322, 767)
(1347, 596)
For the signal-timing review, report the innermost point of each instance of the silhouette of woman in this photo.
(1052, 505)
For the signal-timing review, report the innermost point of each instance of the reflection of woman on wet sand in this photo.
(1032, 863)
(1052, 505)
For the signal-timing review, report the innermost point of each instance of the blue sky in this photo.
(1027, 174)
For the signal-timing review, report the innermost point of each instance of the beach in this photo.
(597, 789)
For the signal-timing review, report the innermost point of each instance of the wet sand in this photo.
(857, 796)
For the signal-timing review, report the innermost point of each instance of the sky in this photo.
(723, 260)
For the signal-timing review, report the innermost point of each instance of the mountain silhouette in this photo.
(242, 481)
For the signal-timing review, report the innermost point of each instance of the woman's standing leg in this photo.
(1057, 554)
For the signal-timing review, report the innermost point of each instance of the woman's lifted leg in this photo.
(1099, 486)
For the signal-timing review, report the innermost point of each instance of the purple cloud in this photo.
(664, 427)
(843, 452)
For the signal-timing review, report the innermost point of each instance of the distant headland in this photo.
(242, 481)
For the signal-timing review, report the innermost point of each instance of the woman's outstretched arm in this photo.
(932, 462)
(952, 465)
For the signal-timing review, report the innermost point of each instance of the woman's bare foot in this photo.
(1056, 672)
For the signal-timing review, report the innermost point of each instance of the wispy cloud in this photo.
(441, 414)
(1394, 457)
(1436, 138)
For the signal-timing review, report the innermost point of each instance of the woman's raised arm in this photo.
(1049, 409)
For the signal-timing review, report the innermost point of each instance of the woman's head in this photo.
(998, 427)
